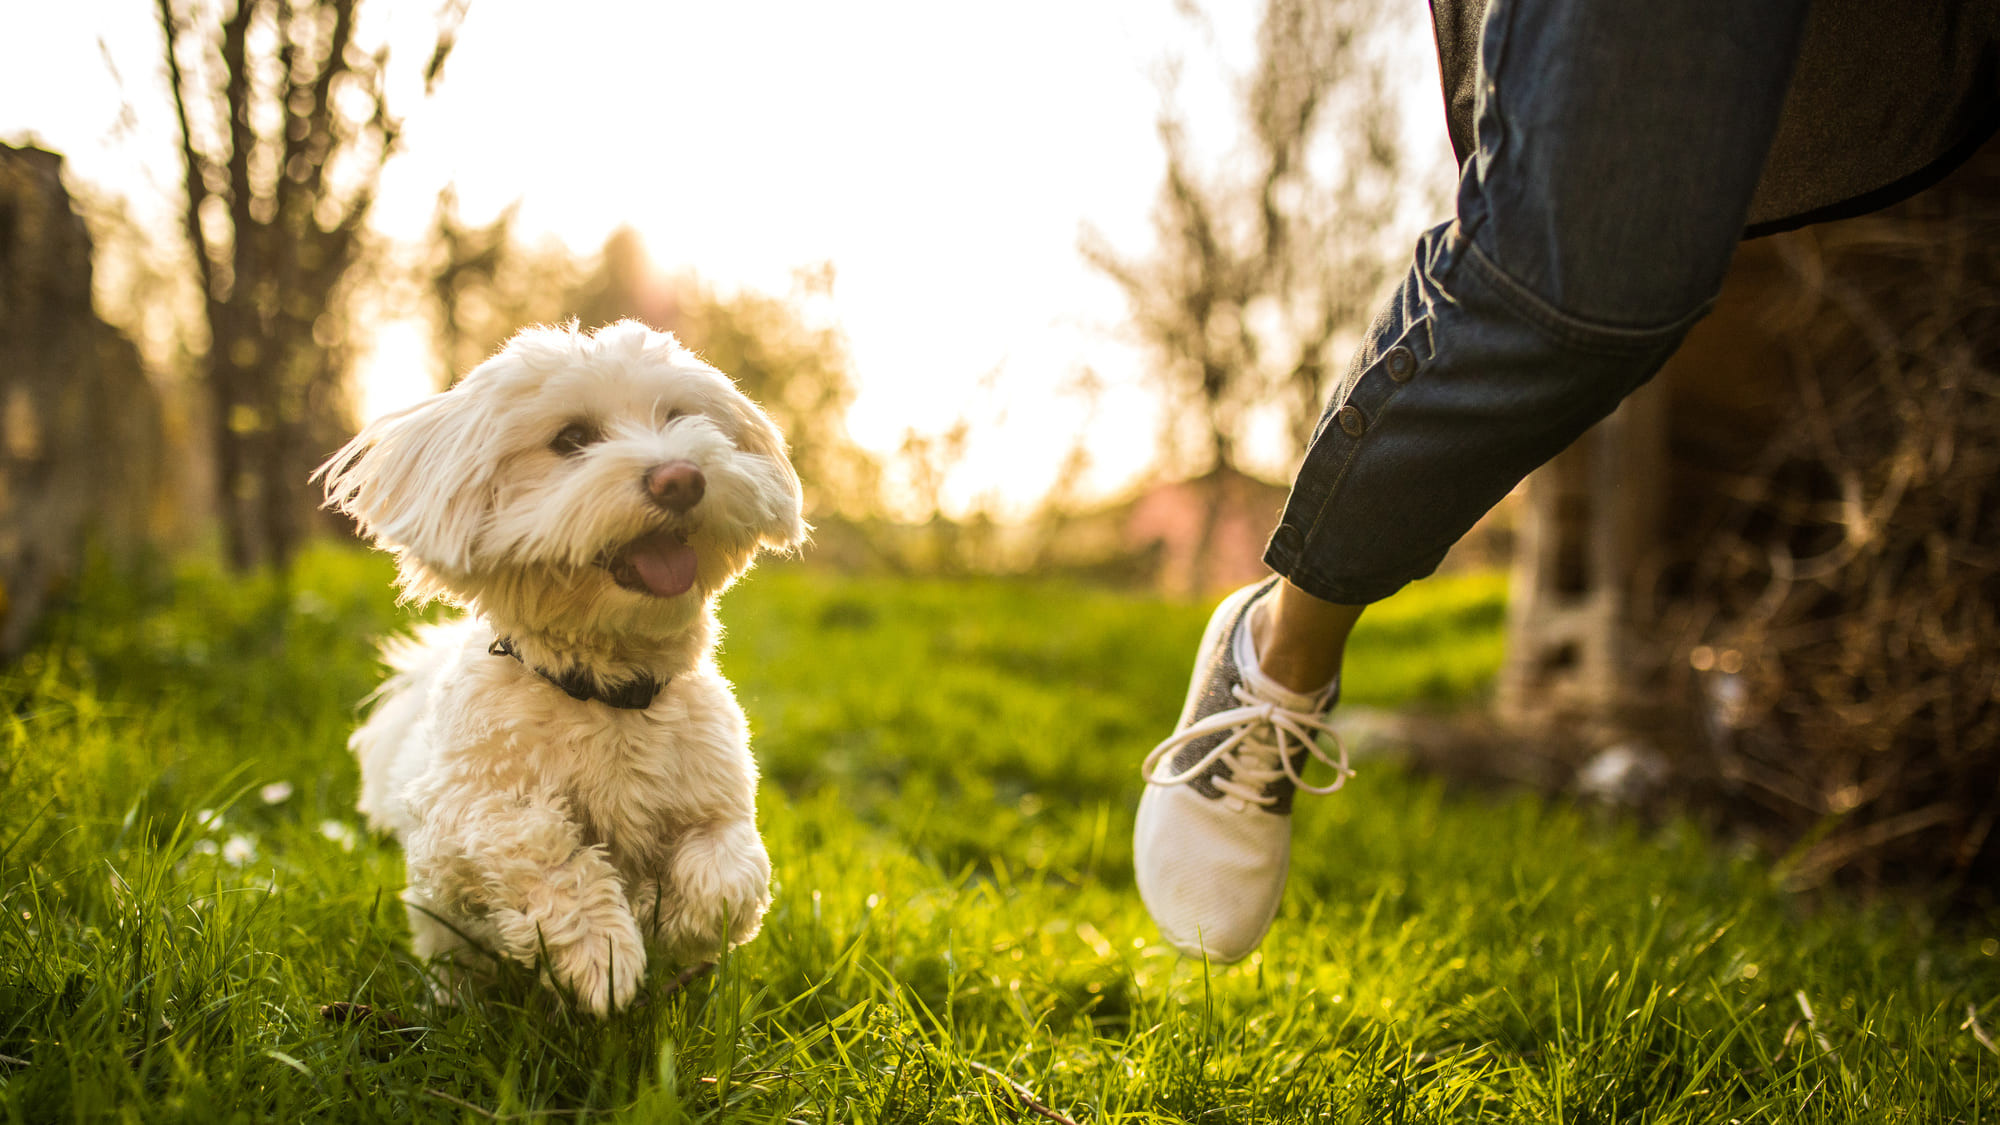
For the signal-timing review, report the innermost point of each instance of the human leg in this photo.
(1619, 145)
(1618, 149)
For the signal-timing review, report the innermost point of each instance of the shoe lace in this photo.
(1258, 750)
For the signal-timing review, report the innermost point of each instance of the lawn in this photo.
(951, 773)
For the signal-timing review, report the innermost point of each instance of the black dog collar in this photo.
(635, 695)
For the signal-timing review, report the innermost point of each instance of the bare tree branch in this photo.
(1253, 275)
(276, 278)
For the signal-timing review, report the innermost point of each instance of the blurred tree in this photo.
(284, 127)
(487, 285)
(80, 436)
(1256, 271)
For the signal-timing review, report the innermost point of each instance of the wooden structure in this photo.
(1595, 523)
(1586, 534)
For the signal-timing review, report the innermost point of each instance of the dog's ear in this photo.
(420, 481)
(783, 526)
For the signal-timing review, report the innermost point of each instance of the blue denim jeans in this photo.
(1619, 143)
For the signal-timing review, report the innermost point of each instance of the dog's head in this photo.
(575, 482)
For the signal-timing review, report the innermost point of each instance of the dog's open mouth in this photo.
(661, 564)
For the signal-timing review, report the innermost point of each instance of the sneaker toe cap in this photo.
(1211, 877)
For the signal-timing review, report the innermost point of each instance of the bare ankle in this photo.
(1300, 639)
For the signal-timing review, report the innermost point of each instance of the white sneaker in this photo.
(1214, 837)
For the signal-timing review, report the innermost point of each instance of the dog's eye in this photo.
(675, 413)
(571, 439)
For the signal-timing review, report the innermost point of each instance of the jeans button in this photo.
(1352, 423)
(1402, 363)
(1288, 540)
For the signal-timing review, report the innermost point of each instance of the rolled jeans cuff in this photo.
(1466, 382)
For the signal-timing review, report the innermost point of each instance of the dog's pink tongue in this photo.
(665, 563)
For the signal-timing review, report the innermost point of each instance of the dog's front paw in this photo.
(720, 887)
(600, 967)
(603, 969)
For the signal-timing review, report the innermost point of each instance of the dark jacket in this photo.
(1888, 96)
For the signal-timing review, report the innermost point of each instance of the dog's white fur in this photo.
(565, 833)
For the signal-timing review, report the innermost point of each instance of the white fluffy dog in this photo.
(568, 773)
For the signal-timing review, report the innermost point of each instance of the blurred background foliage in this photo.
(249, 316)
(1263, 271)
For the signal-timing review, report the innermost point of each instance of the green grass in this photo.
(951, 769)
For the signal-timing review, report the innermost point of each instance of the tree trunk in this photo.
(79, 422)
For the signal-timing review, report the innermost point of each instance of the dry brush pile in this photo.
(1841, 621)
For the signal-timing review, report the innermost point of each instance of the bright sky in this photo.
(943, 156)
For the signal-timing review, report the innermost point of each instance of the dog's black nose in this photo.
(675, 486)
